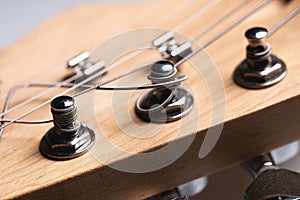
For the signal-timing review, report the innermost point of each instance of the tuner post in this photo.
(164, 104)
(261, 68)
(68, 138)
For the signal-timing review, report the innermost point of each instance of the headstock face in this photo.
(255, 121)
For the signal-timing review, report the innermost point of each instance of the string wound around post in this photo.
(164, 104)
(261, 68)
(68, 138)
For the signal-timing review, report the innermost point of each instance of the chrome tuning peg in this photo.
(164, 103)
(271, 183)
(68, 138)
(261, 68)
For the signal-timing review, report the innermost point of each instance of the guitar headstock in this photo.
(219, 124)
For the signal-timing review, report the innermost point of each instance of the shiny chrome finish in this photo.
(271, 183)
(259, 164)
(165, 103)
(84, 68)
(68, 138)
(260, 69)
(169, 48)
(194, 187)
(79, 60)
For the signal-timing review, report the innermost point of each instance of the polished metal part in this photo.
(169, 48)
(285, 153)
(84, 68)
(193, 187)
(260, 69)
(68, 138)
(259, 164)
(177, 64)
(165, 103)
(271, 183)
(79, 60)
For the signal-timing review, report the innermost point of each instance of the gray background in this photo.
(19, 16)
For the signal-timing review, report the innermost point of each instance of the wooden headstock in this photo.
(254, 121)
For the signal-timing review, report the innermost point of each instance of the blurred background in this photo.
(19, 17)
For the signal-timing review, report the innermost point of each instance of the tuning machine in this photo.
(261, 68)
(169, 47)
(164, 104)
(68, 138)
(271, 183)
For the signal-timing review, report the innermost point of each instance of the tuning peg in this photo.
(271, 183)
(68, 138)
(164, 104)
(261, 68)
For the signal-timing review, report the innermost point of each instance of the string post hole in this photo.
(84, 68)
(163, 104)
(68, 138)
(261, 68)
(169, 47)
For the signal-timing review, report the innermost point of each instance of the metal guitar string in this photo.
(227, 15)
(101, 87)
(279, 25)
(196, 15)
(177, 9)
(201, 11)
(227, 29)
(211, 41)
(284, 21)
(13, 90)
(186, 22)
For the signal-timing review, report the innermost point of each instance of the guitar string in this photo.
(271, 32)
(178, 8)
(227, 15)
(78, 85)
(284, 21)
(196, 15)
(190, 55)
(206, 8)
(139, 68)
(228, 28)
(202, 11)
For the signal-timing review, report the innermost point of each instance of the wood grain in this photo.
(255, 121)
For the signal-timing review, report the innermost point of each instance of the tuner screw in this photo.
(164, 104)
(261, 68)
(68, 138)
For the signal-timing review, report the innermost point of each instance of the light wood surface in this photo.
(255, 121)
